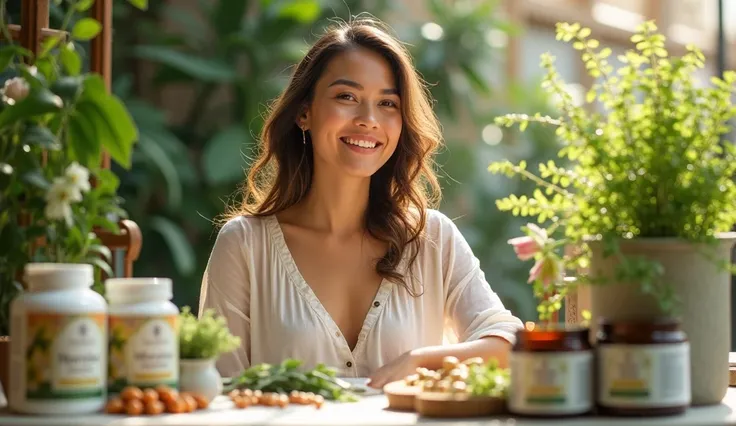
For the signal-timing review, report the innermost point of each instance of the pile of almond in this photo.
(246, 397)
(450, 378)
(135, 401)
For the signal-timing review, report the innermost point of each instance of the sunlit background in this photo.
(197, 75)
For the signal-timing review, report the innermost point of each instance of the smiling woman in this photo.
(335, 255)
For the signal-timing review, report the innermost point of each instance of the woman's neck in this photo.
(334, 205)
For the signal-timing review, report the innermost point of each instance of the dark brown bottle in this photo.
(551, 372)
(643, 368)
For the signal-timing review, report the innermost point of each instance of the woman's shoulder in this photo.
(243, 227)
(438, 224)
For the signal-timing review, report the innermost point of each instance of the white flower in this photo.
(59, 199)
(15, 89)
(78, 176)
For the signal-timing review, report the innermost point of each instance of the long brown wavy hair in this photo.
(400, 191)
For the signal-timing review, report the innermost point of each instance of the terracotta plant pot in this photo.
(703, 289)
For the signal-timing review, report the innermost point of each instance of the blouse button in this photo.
(376, 303)
(349, 364)
(337, 334)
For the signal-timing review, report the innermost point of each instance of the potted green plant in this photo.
(55, 121)
(201, 342)
(645, 198)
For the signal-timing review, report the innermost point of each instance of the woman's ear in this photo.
(302, 120)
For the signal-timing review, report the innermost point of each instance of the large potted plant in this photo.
(645, 198)
(55, 121)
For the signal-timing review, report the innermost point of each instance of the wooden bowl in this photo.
(448, 405)
(400, 396)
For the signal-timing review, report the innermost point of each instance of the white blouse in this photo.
(252, 280)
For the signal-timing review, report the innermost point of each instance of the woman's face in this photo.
(354, 119)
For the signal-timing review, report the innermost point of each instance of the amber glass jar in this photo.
(643, 368)
(551, 372)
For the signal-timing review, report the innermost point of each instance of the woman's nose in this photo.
(366, 116)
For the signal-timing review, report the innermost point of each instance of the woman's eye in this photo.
(346, 96)
(389, 103)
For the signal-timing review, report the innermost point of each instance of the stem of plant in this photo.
(540, 181)
(3, 22)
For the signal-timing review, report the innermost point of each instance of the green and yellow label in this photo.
(65, 356)
(143, 351)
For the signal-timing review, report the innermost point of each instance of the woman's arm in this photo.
(483, 325)
(431, 357)
(486, 347)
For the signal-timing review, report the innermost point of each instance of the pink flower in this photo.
(525, 247)
(528, 246)
(548, 270)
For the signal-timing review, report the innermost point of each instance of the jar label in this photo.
(64, 356)
(644, 375)
(144, 351)
(551, 383)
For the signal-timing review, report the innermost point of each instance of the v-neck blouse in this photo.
(252, 280)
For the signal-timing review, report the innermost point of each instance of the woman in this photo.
(334, 256)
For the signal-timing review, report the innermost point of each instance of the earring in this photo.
(304, 137)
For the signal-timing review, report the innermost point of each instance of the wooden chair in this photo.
(34, 28)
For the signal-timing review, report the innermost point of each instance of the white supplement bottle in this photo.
(58, 334)
(144, 341)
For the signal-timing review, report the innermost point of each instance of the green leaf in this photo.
(222, 159)
(166, 167)
(107, 181)
(209, 70)
(476, 80)
(94, 86)
(35, 178)
(228, 16)
(180, 247)
(83, 136)
(41, 136)
(84, 5)
(8, 54)
(68, 88)
(114, 126)
(101, 264)
(39, 101)
(86, 29)
(70, 59)
(122, 129)
(104, 251)
(302, 11)
(48, 44)
(141, 4)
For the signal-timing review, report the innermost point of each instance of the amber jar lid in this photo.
(553, 338)
(656, 331)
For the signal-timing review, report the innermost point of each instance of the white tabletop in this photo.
(370, 410)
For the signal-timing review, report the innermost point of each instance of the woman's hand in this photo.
(397, 369)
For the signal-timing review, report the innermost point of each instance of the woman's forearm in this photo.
(488, 347)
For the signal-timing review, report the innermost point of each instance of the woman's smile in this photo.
(362, 144)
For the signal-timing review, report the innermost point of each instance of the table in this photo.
(370, 410)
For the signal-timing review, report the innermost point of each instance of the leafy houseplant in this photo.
(201, 342)
(55, 121)
(646, 195)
